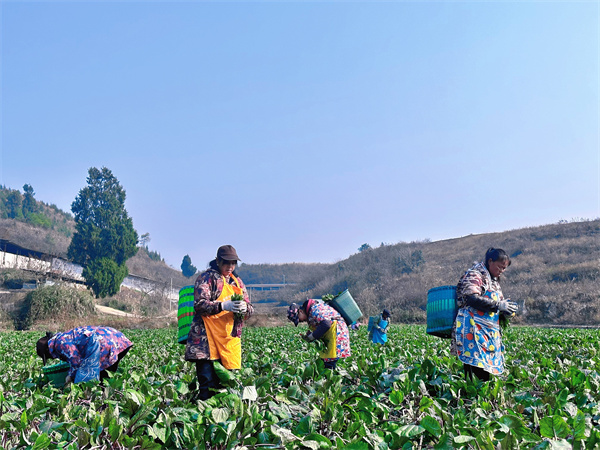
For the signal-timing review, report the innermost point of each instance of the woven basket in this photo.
(441, 311)
(185, 313)
(347, 307)
(57, 373)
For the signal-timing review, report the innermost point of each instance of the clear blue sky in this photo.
(298, 131)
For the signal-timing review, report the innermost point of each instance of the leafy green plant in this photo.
(410, 393)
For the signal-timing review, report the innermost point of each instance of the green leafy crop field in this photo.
(409, 394)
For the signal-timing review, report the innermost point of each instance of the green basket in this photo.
(185, 313)
(347, 307)
(441, 311)
(57, 373)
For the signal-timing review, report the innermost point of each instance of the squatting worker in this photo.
(215, 333)
(91, 351)
(476, 335)
(326, 324)
(378, 334)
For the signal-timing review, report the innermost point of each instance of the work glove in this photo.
(507, 307)
(308, 337)
(242, 307)
(234, 307)
(381, 330)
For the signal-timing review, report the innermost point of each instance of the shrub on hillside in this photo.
(57, 302)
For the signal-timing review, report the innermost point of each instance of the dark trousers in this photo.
(331, 365)
(207, 379)
(471, 371)
(115, 366)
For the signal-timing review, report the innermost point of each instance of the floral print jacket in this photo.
(207, 289)
(71, 345)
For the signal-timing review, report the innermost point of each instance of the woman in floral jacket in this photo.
(216, 331)
(476, 335)
(326, 324)
(90, 351)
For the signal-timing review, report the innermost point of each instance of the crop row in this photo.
(408, 394)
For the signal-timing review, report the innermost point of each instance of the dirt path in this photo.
(116, 312)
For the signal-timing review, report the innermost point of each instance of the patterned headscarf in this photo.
(293, 313)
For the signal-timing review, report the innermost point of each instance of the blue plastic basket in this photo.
(441, 311)
(347, 307)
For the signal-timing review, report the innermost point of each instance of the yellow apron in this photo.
(218, 330)
(330, 340)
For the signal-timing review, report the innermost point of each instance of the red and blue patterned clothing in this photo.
(88, 350)
(319, 312)
(476, 335)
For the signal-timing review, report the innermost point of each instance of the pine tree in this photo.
(187, 269)
(104, 236)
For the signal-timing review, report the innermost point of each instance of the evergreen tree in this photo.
(14, 205)
(29, 202)
(364, 247)
(187, 269)
(104, 236)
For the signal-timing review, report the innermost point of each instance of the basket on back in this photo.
(441, 311)
(185, 313)
(347, 307)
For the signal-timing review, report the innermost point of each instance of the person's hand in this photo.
(242, 307)
(507, 307)
(233, 307)
(68, 380)
(379, 329)
(308, 337)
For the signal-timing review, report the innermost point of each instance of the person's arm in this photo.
(321, 329)
(481, 302)
(206, 292)
(380, 328)
(470, 292)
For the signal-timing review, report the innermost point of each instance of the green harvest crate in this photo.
(57, 373)
(441, 311)
(185, 313)
(347, 307)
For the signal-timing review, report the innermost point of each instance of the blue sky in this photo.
(298, 131)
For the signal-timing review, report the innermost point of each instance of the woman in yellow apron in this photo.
(326, 324)
(215, 333)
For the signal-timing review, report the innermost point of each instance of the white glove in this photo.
(242, 307)
(507, 307)
(234, 307)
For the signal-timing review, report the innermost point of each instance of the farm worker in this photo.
(215, 333)
(378, 334)
(476, 333)
(91, 351)
(326, 324)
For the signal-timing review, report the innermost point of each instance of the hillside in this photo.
(554, 276)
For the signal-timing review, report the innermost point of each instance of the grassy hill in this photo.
(554, 275)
